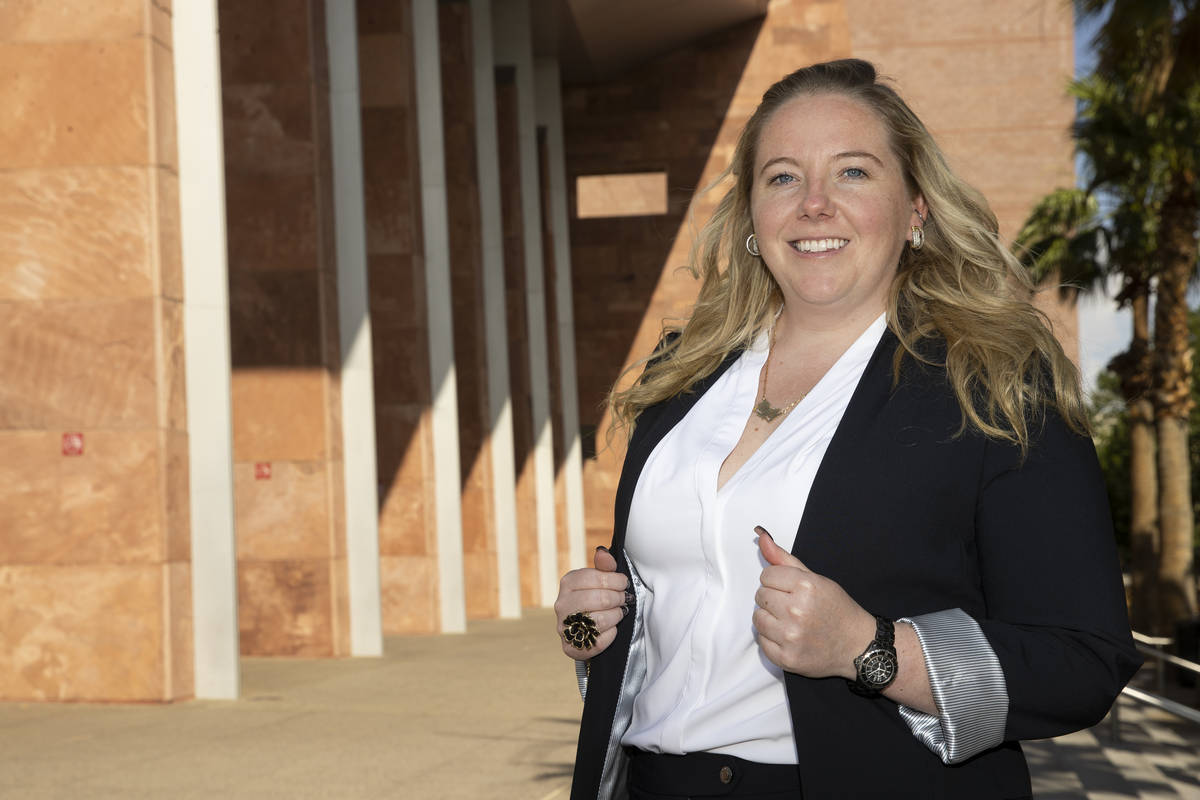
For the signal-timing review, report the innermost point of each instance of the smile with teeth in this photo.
(819, 245)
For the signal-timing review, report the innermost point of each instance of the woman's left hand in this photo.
(806, 623)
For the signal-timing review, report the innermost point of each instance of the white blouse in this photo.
(708, 686)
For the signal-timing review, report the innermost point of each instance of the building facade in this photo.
(308, 308)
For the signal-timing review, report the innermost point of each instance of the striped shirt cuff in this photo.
(581, 675)
(968, 687)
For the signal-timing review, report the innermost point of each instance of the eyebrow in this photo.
(860, 154)
(847, 154)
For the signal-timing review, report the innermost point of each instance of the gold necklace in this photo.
(764, 410)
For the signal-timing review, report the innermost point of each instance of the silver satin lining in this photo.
(581, 675)
(968, 686)
(613, 784)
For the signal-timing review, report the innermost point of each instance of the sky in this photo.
(1103, 330)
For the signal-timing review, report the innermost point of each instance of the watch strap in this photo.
(885, 640)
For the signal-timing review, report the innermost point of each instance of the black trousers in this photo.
(667, 777)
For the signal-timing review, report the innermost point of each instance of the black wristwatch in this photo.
(877, 665)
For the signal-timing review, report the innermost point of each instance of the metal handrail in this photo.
(1147, 645)
(1156, 641)
(1178, 709)
(1191, 666)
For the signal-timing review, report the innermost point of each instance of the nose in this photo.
(815, 202)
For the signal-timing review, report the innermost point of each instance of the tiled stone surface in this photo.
(409, 598)
(81, 632)
(174, 471)
(169, 250)
(29, 494)
(160, 26)
(1156, 755)
(282, 517)
(403, 395)
(78, 365)
(519, 369)
(179, 655)
(75, 233)
(483, 590)
(401, 356)
(381, 53)
(339, 590)
(172, 370)
(272, 318)
(554, 365)
(988, 84)
(1004, 167)
(265, 42)
(406, 520)
(389, 144)
(276, 221)
(278, 415)
(110, 503)
(285, 607)
(470, 349)
(284, 336)
(74, 103)
(91, 343)
(307, 729)
(70, 20)
(385, 16)
(1060, 310)
(162, 106)
(104, 506)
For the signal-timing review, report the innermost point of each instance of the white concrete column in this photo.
(431, 154)
(495, 313)
(206, 344)
(354, 320)
(513, 40)
(549, 113)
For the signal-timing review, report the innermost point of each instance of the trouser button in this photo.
(726, 774)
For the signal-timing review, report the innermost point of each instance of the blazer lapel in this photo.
(852, 442)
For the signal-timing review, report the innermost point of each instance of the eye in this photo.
(780, 179)
(855, 172)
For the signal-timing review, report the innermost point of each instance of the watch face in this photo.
(877, 668)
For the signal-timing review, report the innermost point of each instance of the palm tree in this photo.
(1069, 241)
(1149, 52)
(1112, 137)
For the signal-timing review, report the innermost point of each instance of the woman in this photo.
(862, 546)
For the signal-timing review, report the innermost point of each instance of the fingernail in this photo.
(761, 531)
(602, 547)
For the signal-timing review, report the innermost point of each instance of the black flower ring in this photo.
(580, 631)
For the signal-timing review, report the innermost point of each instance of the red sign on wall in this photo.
(262, 471)
(72, 444)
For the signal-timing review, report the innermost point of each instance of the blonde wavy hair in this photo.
(963, 288)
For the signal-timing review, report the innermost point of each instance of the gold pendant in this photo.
(766, 411)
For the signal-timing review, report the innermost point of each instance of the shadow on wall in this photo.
(664, 116)
(661, 117)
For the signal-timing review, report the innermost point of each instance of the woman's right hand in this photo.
(601, 594)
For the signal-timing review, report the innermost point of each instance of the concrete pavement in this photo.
(491, 715)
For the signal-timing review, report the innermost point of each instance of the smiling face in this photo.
(830, 207)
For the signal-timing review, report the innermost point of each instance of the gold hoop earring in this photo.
(918, 237)
(752, 245)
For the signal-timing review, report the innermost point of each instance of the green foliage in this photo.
(1063, 239)
(1110, 426)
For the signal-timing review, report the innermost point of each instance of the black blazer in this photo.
(911, 516)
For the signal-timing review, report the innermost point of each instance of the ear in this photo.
(920, 210)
